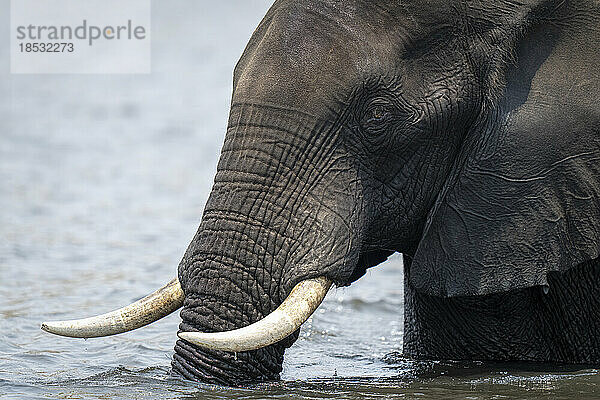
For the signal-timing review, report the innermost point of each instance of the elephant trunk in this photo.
(230, 281)
(280, 213)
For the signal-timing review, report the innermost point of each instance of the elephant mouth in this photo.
(366, 260)
(300, 304)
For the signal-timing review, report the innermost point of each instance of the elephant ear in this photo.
(524, 196)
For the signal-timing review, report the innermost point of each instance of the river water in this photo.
(103, 179)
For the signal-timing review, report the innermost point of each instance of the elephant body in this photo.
(463, 134)
(555, 324)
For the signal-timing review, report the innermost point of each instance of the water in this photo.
(103, 181)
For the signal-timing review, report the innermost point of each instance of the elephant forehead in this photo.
(312, 54)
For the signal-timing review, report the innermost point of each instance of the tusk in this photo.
(285, 320)
(143, 312)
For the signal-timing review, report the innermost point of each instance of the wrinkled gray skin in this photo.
(464, 134)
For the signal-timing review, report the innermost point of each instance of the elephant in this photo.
(463, 134)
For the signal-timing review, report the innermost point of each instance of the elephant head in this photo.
(357, 129)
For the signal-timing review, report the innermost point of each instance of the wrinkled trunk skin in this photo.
(279, 212)
(228, 283)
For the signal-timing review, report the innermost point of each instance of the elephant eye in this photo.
(377, 113)
(376, 118)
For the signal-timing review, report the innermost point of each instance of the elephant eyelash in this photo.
(376, 118)
(376, 114)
